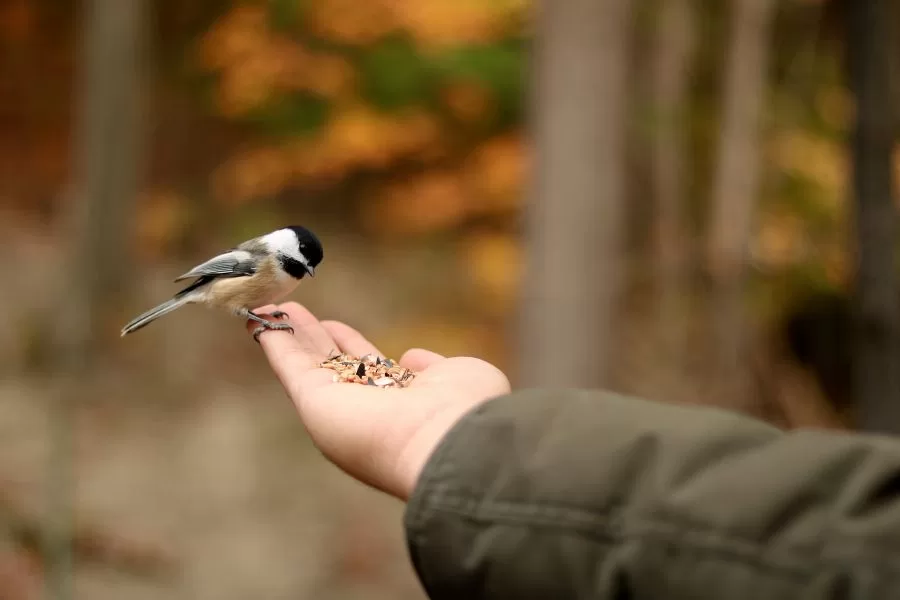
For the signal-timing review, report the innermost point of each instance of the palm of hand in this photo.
(380, 436)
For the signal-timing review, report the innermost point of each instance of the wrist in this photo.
(421, 446)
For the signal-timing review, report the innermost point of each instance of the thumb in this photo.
(418, 359)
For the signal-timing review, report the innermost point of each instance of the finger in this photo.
(419, 359)
(268, 309)
(295, 359)
(307, 329)
(263, 312)
(309, 336)
(349, 340)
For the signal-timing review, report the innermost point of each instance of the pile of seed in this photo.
(368, 370)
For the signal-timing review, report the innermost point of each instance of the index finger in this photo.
(350, 340)
(295, 358)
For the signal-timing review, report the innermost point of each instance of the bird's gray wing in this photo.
(236, 263)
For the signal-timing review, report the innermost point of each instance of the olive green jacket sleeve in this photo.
(583, 494)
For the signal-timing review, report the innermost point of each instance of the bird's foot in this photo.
(266, 325)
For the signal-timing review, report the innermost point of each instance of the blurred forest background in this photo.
(689, 201)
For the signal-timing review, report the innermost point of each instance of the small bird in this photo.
(257, 272)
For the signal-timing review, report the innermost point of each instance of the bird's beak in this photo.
(311, 271)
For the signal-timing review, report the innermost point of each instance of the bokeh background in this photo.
(688, 201)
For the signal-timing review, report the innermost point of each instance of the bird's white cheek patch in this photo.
(282, 240)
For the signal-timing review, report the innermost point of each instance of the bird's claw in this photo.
(269, 325)
(278, 314)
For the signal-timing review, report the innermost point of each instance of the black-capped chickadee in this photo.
(258, 272)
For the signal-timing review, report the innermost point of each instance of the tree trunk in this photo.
(575, 210)
(736, 185)
(106, 154)
(877, 355)
(671, 73)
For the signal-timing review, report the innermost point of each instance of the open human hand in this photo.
(383, 437)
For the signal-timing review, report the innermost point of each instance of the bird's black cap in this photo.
(309, 244)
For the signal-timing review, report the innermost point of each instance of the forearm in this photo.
(580, 494)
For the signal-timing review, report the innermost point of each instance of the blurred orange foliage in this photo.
(435, 23)
(257, 63)
(489, 182)
(352, 22)
(422, 204)
(431, 23)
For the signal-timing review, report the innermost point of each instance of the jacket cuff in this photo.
(438, 483)
(440, 468)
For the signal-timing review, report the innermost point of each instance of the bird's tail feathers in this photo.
(153, 314)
